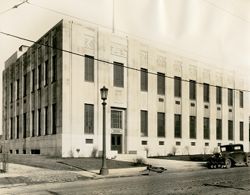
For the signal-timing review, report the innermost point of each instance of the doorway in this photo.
(116, 142)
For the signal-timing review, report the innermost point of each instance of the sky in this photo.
(216, 32)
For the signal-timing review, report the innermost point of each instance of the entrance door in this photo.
(116, 142)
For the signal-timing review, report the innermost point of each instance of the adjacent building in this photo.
(158, 103)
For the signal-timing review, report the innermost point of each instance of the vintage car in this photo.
(230, 155)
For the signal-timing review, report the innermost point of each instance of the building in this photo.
(158, 102)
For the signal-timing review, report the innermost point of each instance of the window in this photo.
(24, 85)
(17, 89)
(160, 124)
(11, 92)
(241, 131)
(192, 127)
(89, 119)
(46, 47)
(177, 126)
(54, 117)
(46, 75)
(33, 123)
(206, 92)
(33, 80)
(116, 119)
(230, 130)
(39, 76)
(230, 97)
(218, 95)
(39, 121)
(89, 68)
(144, 79)
(144, 123)
(218, 129)
(17, 127)
(54, 65)
(192, 90)
(118, 74)
(46, 120)
(206, 128)
(177, 86)
(11, 128)
(160, 83)
(241, 99)
(40, 54)
(54, 44)
(24, 125)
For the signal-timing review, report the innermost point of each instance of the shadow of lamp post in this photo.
(104, 170)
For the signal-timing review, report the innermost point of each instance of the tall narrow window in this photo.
(230, 130)
(33, 123)
(241, 99)
(206, 129)
(39, 75)
(89, 119)
(160, 83)
(25, 85)
(161, 124)
(46, 75)
(11, 128)
(230, 97)
(54, 44)
(116, 119)
(144, 79)
(89, 68)
(46, 129)
(118, 74)
(177, 86)
(39, 122)
(177, 126)
(17, 127)
(192, 127)
(54, 68)
(33, 80)
(17, 89)
(218, 129)
(46, 47)
(144, 123)
(241, 131)
(11, 92)
(206, 92)
(218, 95)
(24, 125)
(54, 118)
(192, 90)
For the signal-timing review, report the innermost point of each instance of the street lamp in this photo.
(104, 170)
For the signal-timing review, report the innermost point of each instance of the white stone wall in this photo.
(109, 47)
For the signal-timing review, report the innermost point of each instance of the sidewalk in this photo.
(25, 175)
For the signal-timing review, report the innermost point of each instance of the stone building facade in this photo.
(158, 103)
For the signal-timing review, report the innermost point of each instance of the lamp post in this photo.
(104, 170)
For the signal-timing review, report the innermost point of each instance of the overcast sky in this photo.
(216, 32)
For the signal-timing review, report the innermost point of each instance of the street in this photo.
(216, 181)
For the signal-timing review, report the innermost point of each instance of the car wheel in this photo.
(248, 162)
(228, 163)
(219, 166)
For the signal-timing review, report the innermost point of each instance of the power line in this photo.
(14, 7)
(112, 63)
(117, 30)
(225, 10)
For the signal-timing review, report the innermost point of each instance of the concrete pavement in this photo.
(25, 175)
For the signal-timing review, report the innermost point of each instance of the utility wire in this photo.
(112, 63)
(117, 30)
(14, 7)
(226, 11)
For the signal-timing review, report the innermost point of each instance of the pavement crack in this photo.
(224, 186)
